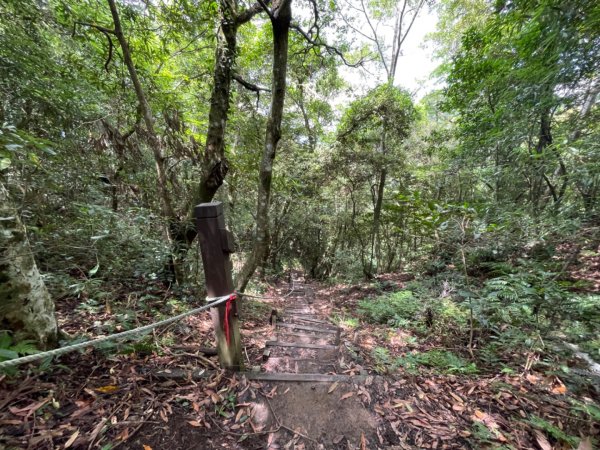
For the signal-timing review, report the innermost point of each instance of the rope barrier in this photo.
(211, 302)
(100, 340)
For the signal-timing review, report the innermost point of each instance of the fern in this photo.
(12, 350)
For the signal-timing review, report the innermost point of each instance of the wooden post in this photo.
(216, 243)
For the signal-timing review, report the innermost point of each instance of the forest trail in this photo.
(310, 397)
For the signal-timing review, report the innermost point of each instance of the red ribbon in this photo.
(228, 307)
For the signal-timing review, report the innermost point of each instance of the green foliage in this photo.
(10, 349)
(382, 359)
(390, 309)
(553, 431)
(345, 321)
(589, 410)
(442, 360)
(530, 298)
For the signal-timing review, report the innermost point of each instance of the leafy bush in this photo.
(392, 308)
(531, 298)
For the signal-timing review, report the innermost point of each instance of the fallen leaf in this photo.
(347, 395)
(239, 414)
(559, 390)
(163, 416)
(585, 444)
(147, 447)
(72, 439)
(194, 423)
(542, 441)
(363, 442)
(27, 410)
(332, 388)
(109, 389)
(479, 415)
(123, 435)
(489, 422)
(456, 397)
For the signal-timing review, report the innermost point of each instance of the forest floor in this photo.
(133, 396)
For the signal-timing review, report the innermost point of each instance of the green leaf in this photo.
(93, 271)
(5, 340)
(8, 354)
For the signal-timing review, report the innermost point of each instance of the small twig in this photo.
(251, 433)
(136, 429)
(203, 359)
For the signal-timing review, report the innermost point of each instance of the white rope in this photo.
(211, 302)
(220, 299)
(99, 340)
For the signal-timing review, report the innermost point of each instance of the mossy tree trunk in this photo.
(26, 307)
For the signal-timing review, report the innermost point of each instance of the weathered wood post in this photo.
(216, 243)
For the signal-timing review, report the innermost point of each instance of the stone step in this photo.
(300, 345)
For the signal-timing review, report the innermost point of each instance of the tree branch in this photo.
(249, 13)
(107, 32)
(376, 39)
(248, 85)
(266, 9)
(329, 48)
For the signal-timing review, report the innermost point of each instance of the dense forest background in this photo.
(481, 195)
(113, 131)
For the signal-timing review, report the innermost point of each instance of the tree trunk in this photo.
(214, 164)
(375, 244)
(26, 307)
(280, 20)
(153, 140)
(168, 213)
(181, 233)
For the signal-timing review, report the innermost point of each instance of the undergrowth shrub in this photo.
(442, 360)
(392, 308)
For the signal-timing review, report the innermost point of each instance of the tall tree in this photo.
(403, 14)
(214, 163)
(148, 117)
(280, 16)
(372, 132)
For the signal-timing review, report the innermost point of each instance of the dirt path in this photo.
(306, 347)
